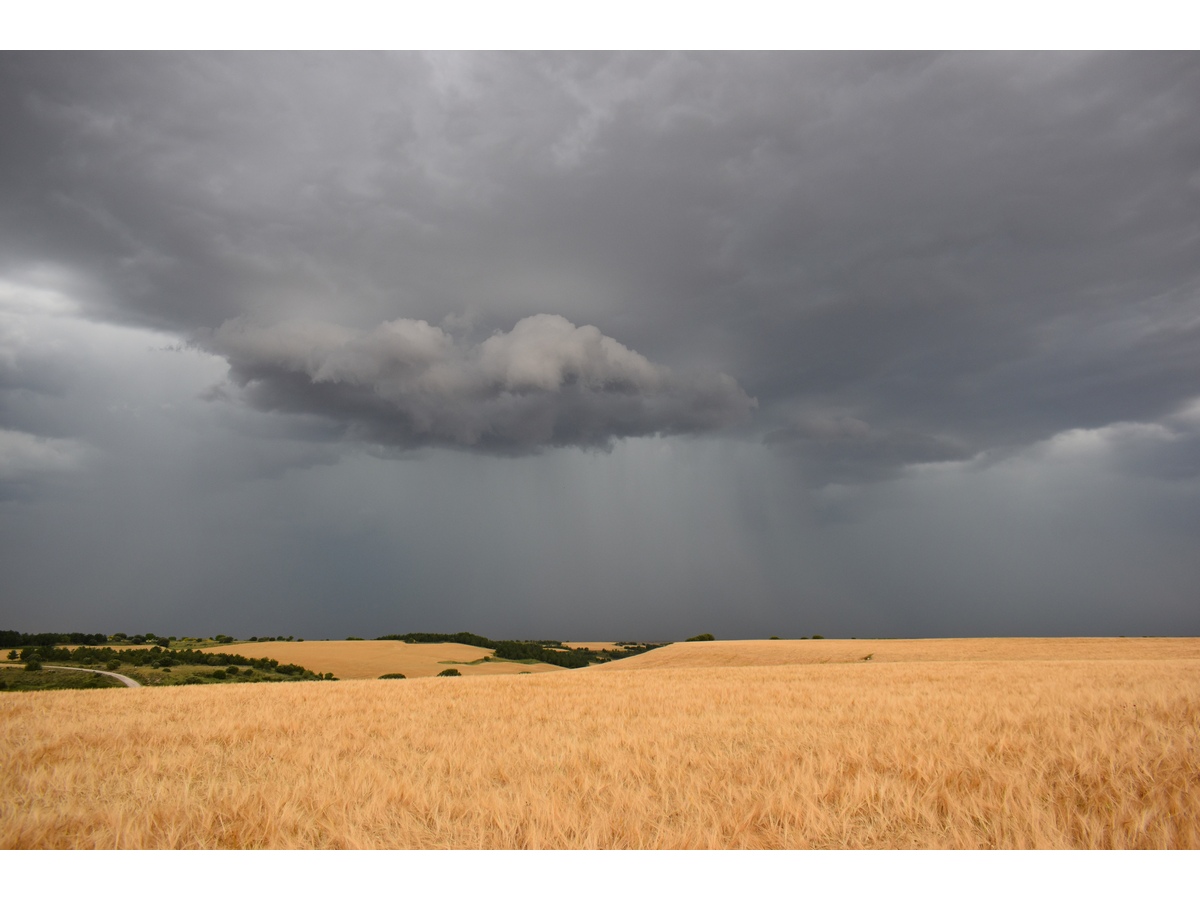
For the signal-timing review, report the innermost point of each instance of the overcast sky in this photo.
(622, 346)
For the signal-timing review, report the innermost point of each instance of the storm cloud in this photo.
(406, 383)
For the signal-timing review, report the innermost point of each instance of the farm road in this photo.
(124, 679)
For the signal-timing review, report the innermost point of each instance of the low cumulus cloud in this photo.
(407, 384)
(24, 454)
(29, 460)
(1167, 450)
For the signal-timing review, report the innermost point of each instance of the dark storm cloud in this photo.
(406, 383)
(971, 251)
(962, 251)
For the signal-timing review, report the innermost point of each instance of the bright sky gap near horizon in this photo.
(620, 346)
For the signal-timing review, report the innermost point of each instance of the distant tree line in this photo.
(428, 637)
(49, 638)
(553, 652)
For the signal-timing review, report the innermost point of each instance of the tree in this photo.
(702, 637)
(448, 672)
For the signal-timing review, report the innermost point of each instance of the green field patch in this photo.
(188, 674)
(15, 678)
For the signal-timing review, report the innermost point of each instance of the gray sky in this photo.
(623, 345)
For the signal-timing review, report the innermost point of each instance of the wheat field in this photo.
(781, 653)
(961, 753)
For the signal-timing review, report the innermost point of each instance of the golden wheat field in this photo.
(1097, 748)
(370, 659)
(782, 653)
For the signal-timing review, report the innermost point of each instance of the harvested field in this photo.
(369, 659)
(1063, 753)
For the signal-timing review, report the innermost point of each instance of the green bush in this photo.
(818, 637)
(13, 654)
(448, 672)
(218, 674)
(35, 665)
(702, 637)
(400, 674)
(113, 664)
(232, 670)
